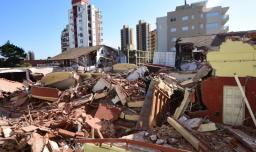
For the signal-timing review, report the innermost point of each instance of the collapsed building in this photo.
(209, 106)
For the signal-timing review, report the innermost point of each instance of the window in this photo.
(78, 8)
(184, 18)
(193, 17)
(202, 26)
(173, 29)
(185, 28)
(101, 51)
(202, 15)
(173, 39)
(212, 14)
(80, 21)
(173, 49)
(193, 27)
(173, 19)
(81, 41)
(212, 25)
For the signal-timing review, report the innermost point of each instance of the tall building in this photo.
(65, 39)
(142, 30)
(190, 20)
(84, 25)
(152, 44)
(30, 55)
(127, 38)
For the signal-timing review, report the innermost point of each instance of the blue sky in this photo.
(37, 25)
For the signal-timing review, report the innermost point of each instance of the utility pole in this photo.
(185, 2)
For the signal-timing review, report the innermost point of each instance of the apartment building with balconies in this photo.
(152, 44)
(85, 24)
(142, 31)
(127, 38)
(65, 39)
(190, 20)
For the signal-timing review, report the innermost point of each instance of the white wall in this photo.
(162, 34)
(93, 25)
(71, 26)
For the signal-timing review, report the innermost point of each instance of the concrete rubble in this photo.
(52, 111)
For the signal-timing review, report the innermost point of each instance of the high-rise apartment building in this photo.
(142, 31)
(65, 39)
(127, 38)
(30, 55)
(190, 20)
(84, 24)
(152, 44)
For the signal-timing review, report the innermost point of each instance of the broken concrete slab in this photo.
(8, 132)
(100, 85)
(207, 127)
(101, 95)
(83, 100)
(53, 145)
(29, 128)
(193, 123)
(181, 109)
(49, 94)
(107, 113)
(121, 67)
(120, 94)
(37, 142)
(3, 123)
(115, 100)
(130, 117)
(134, 104)
(10, 86)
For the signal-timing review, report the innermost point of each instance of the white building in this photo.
(84, 25)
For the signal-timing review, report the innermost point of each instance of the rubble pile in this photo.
(60, 107)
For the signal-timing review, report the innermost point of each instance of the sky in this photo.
(36, 25)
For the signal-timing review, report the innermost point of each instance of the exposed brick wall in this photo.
(212, 96)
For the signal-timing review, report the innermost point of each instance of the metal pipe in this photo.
(245, 99)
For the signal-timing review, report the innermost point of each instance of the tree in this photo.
(11, 55)
(26, 65)
(49, 57)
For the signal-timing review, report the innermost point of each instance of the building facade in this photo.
(152, 44)
(85, 25)
(127, 38)
(65, 39)
(142, 31)
(30, 55)
(190, 20)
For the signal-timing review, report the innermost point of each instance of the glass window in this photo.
(193, 27)
(212, 25)
(173, 29)
(173, 39)
(202, 15)
(185, 18)
(193, 17)
(185, 28)
(173, 19)
(212, 14)
(202, 26)
(173, 49)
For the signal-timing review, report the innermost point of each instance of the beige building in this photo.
(152, 44)
(142, 31)
(190, 20)
(127, 38)
(65, 39)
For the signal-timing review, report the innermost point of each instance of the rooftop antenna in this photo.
(185, 2)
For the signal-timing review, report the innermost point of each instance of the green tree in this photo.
(11, 55)
(26, 65)
(49, 57)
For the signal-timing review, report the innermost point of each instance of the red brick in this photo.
(110, 114)
(80, 134)
(66, 133)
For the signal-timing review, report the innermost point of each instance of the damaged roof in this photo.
(209, 42)
(75, 52)
(214, 41)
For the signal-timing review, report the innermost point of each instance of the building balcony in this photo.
(101, 28)
(224, 10)
(225, 29)
(100, 22)
(224, 20)
(100, 16)
(101, 40)
(101, 34)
